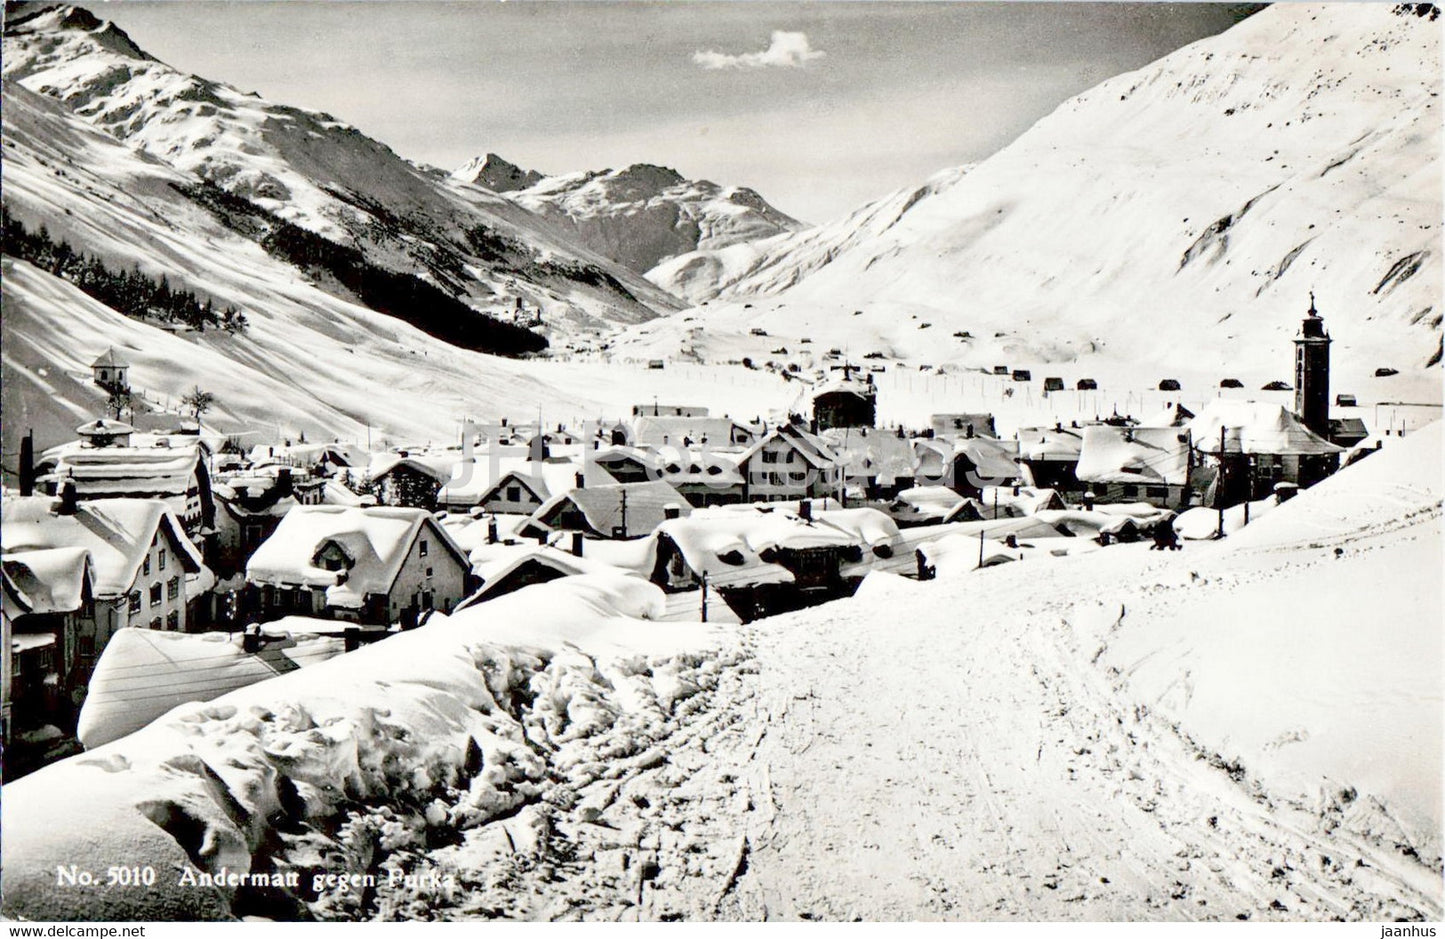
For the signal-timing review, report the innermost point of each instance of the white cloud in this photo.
(786, 49)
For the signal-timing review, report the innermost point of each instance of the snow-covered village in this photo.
(1054, 536)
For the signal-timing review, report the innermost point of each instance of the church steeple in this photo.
(1312, 372)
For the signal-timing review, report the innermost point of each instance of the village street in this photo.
(973, 761)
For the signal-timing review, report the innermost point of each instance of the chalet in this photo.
(1049, 456)
(845, 402)
(875, 464)
(407, 481)
(521, 486)
(110, 371)
(111, 461)
(704, 476)
(789, 463)
(1253, 446)
(55, 628)
(525, 567)
(249, 507)
(145, 571)
(763, 561)
(1053, 383)
(621, 510)
(1136, 464)
(967, 463)
(948, 426)
(371, 564)
(1347, 431)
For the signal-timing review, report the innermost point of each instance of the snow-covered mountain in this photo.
(310, 361)
(1176, 215)
(494, 173)
(640, 215)
(309, 169)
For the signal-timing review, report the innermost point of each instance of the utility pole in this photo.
(624, 513)
(1220, 490)
(704, 596)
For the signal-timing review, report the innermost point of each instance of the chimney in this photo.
(66, 498)
(968, 431)
(351, 638)
(492, 530)
(577, 543)
(27, 463)
(251, 638)
(283, 481)
(671, 510)
(581, 480)
(805, 510)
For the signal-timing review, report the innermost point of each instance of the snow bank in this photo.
(1306, 649)
(357, 758)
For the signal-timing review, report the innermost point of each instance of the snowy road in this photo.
(975, 760)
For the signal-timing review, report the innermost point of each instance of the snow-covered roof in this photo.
(847, 381)
(1157, 456)
(700, 466)
(1060, 444)
(134, 470)
(543, 478)
(52, 580)
(814, 449)
(652, 431)
(994, 459)
(1173, 415)
(726, 546)
(563, 563)
(601, 506)
(108, 359)
(438, 466)
(143, 673)
(956, 425)
(104, 427)
(1255, 427)
(375, 539)
(879, 454)
(307, 454)
(116, 532)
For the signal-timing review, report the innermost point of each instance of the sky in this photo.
(819, 106)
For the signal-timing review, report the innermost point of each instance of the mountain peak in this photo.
(496, 174)
(34, 18)
(648, 173)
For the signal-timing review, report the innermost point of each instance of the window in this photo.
(155, 622)
(173, 621)
(428, 571)
(770, 456)
(173, 588)
(146, 566)
(162, 559)
(422, 548)
(133, 604)
(514, 493)
(85, 646)
(156, 594)
(792, 456)
(1131, 492)
(1158, 492)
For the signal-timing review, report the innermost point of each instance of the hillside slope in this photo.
(321, 174)
(1177, 215)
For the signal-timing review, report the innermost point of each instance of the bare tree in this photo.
(118, 401)
(198, 402)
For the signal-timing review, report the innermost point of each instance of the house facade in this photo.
(366, 564)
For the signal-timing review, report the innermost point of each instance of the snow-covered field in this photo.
(1247, 729)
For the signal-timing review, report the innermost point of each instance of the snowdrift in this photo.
(1305, 648)
(347, 765)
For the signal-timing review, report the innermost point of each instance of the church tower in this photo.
(1312, 373)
